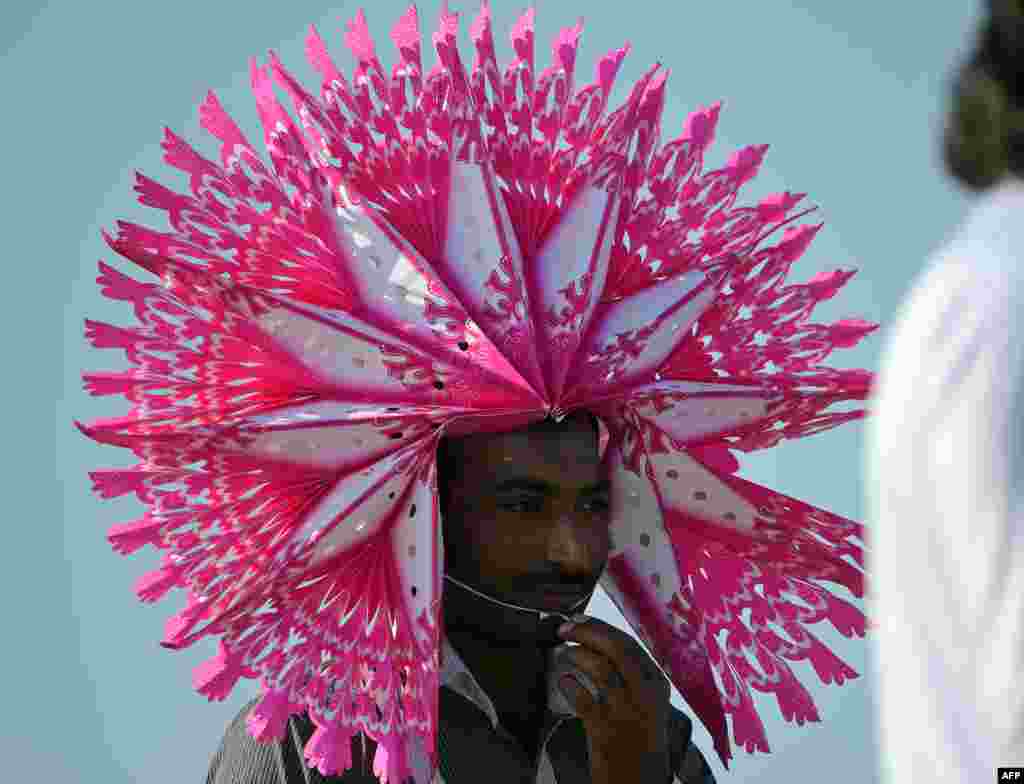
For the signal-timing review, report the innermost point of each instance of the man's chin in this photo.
(567, 604)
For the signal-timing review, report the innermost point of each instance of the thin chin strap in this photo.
(542, 615)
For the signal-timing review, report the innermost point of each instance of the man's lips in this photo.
(560, 595)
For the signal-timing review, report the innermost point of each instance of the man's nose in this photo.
(574, 544)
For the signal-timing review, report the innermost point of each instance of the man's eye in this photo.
(597, 505)
(522, 505)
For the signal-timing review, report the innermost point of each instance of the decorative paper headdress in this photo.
(453, 253)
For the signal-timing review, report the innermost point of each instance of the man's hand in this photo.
(627, 731)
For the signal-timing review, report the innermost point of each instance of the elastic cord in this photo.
(543, 615)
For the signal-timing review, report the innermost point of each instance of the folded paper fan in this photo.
(461, 251)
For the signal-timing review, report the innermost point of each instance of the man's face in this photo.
(528, 514)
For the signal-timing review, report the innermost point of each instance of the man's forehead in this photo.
(505, 455)
(551, 456)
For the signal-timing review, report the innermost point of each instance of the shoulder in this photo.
(688, 763)
(982, 256)
(241, 759)
(680, 727)
(968, 302)
(994, 226)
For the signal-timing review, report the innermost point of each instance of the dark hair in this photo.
(984, 138)
(445, 471)
(447, 458)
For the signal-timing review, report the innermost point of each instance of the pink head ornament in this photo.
(455, 252)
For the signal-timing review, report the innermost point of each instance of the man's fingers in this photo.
(601, 672)
(579, 697)
(621, 650)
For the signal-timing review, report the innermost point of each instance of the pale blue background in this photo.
(850, 95)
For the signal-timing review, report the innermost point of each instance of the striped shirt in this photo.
(472, 746)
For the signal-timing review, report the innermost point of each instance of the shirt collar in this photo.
(457, 677)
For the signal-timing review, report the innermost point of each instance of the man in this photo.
(946, 458)
(526, 528)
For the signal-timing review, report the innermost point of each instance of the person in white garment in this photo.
(945, 457)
